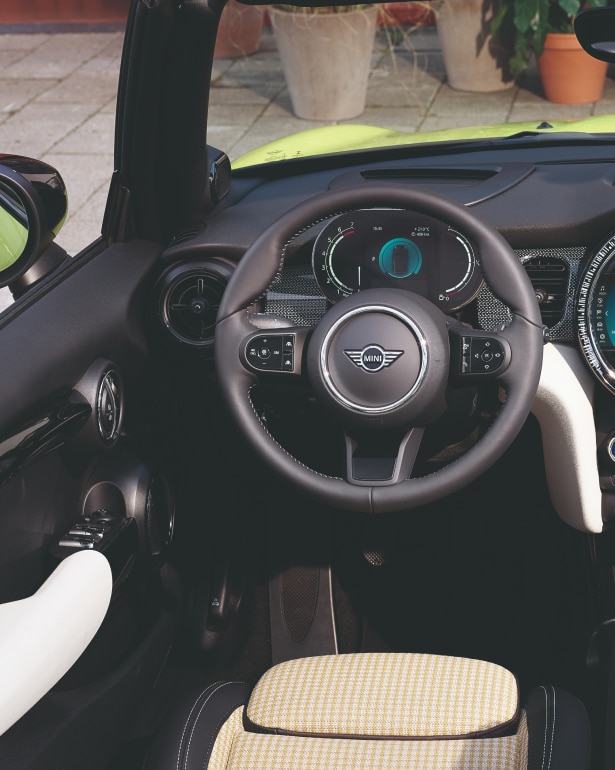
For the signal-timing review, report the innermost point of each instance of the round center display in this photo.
(596, 314)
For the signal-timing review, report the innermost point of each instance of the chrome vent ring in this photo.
(109, 406)
(189, 301)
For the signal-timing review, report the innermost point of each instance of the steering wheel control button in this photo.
(481, 355)
(288, 353)
(271, 352)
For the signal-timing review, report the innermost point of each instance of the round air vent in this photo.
(101, 387)
(109, 406)
(190, 298)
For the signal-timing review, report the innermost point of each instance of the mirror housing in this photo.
(33, 207)
(595, 30)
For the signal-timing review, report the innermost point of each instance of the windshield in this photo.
(400, 78)
(59, 85)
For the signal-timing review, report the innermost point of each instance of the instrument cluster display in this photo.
(391, 248)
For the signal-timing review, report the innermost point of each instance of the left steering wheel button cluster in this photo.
(481, 355)
(271, 352)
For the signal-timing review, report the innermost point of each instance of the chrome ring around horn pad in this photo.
(373, 359)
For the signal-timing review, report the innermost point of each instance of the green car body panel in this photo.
(347, 137)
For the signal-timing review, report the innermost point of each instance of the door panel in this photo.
(69, 482)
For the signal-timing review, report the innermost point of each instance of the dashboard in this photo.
(553, 203)
(556, 212)
(558, 216)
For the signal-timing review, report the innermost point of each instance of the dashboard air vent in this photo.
(549, 277)
(189, 301)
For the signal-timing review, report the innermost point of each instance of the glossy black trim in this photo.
(43, 432)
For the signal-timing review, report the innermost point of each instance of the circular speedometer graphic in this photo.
(379, 248)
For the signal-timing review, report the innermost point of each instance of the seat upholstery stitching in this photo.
(544, 745)
(214, 736)
(192, 710)
(204, 694)
(549, 730)
(218, 687)
(552, 730)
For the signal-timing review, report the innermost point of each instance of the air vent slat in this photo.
(191, 296)
(549, 277)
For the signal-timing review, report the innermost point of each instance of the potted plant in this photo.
(239, 31)
(412, 13)
(545, 29)
(326, 57)
(476, 52)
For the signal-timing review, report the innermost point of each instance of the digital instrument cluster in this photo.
(378, 248)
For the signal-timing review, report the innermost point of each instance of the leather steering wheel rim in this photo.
(504, 275)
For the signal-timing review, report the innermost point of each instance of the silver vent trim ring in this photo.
(109, 407)
(191, 294)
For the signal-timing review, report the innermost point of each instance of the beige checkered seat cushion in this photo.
(375, 712)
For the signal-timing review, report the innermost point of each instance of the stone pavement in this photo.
(58, 88)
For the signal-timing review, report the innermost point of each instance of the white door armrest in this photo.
(42, 636)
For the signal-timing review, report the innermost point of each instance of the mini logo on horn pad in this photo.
(373, 358)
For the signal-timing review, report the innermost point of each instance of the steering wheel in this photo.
(381, 360)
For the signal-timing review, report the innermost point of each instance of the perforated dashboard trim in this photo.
(493, 314)
(295, 295)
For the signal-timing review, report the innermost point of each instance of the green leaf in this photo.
(525, 12)
(498, 19)
(571, 7)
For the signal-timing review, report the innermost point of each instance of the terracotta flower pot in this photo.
(569, 74)
(406, 14)
(326, 58)
(240, 30)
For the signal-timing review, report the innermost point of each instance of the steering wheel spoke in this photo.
(381, 459)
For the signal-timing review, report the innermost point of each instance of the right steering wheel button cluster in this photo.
(481, 355)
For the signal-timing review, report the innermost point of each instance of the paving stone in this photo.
(57, 102)
(15, 94)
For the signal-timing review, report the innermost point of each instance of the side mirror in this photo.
(595, 30)
(33, 206)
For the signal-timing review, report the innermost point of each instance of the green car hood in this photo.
(343, 138)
